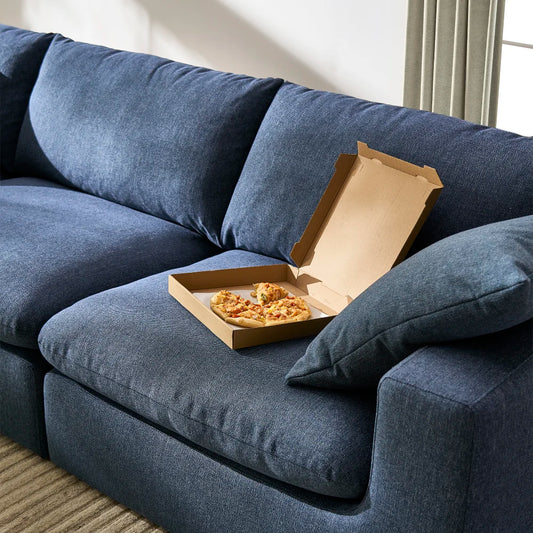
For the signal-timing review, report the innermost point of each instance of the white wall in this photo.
(354, 47)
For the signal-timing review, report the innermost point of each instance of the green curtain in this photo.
(453, 57)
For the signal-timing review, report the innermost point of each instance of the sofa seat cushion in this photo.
(166, 138)
(304, 131)
(137, 346)
(21, 53)
(59, 245)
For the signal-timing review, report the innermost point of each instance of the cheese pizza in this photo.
(275, 307)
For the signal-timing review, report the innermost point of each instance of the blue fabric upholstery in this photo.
(473, 283)
(59, 245)
(21, 53)
(166, 138)
(154, 410)
(21, 397)
(304, 131)
(447, 416)
(480, 389)
(139, 347)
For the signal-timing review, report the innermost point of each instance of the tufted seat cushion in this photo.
(139, 347)
(59, 245)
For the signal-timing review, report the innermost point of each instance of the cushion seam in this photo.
(38, 422)
(477, 400)
(503, 379)
(422, 389)
(406, 322)
(213, 428)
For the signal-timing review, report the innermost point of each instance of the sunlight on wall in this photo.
(164, 43)
(349, 46)
(358, 46)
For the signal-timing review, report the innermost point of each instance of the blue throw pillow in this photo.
(469, 284)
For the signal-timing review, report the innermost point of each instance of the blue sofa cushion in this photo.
(59, 245)
(304, 131)
(21, 53)
(472, 283)
(166, 138)
(136, 345)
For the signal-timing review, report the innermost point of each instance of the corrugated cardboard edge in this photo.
(343, 166)
(409, 168)
(430, 202)
(181, 285)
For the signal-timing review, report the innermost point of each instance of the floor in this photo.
(36, 497)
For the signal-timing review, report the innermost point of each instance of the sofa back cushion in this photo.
(21, 54)
(487, 173)
(162, 137)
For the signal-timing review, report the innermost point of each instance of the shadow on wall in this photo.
(218, 33)
(12, 12)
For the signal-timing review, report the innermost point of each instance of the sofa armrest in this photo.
(453, 441)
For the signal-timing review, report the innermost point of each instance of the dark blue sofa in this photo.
(119, 169)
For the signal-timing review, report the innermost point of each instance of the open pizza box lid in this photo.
(364, 224)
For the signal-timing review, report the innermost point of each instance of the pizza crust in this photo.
(245, 322)
(216, 309)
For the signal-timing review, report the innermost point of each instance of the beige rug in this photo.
(38, 497)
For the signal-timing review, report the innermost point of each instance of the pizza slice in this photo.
(268, 292)
(234, 309)
(286, 310)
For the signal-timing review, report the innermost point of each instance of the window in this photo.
(515, 101)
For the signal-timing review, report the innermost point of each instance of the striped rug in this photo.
(38, 497)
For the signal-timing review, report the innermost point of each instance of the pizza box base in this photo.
(364, 224)
(187, 289)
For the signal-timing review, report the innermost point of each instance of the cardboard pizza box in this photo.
(364, 224)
